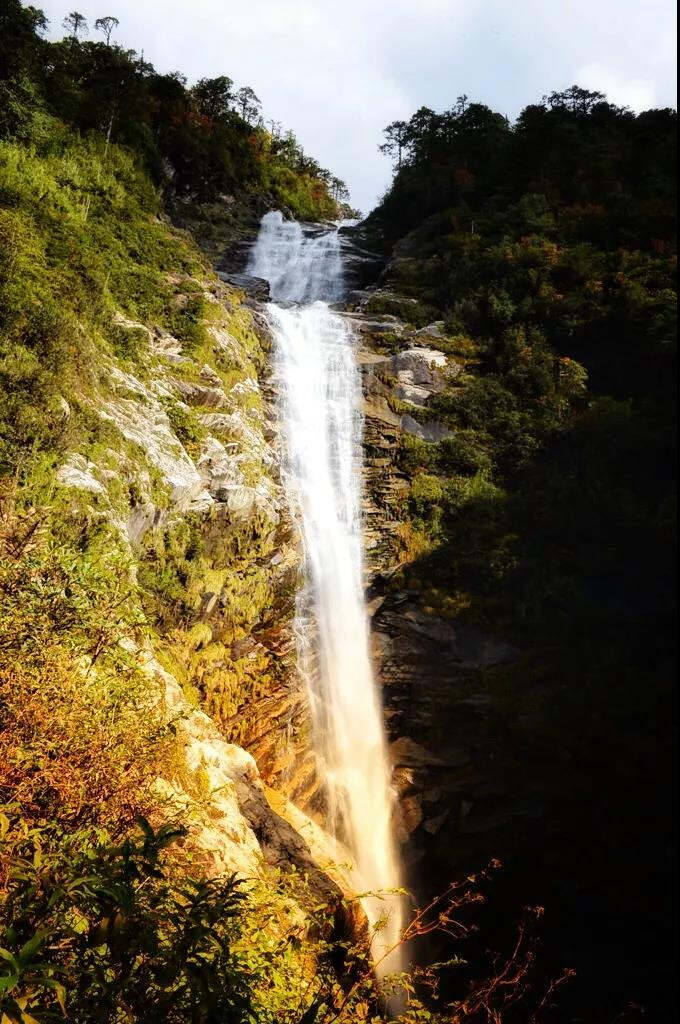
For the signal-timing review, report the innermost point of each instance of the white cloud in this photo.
(636, 93)
(338, 71)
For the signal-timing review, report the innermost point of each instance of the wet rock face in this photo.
(361, 264)
(428, 667)
(400, 376)
(385, 488)
(397, 389)
(254, 287)
(458, 747)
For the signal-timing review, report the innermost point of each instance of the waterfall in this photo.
(299, 267)
(320, 402)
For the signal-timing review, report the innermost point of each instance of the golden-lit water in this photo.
(321, 423)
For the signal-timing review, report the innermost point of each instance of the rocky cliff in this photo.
(156, 460)
(475, 710)
(148, 564)
(189, 480)
(512, 734)
(431, 667)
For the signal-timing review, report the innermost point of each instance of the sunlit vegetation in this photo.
(103, 916)
(197, 142)
(110, 932)
(546, 247)
(81, 238)
(82, 732)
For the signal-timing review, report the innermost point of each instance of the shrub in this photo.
(465, 453)
(426, 491)
(129, 343)
(185, 423)
(104, 934)
(418, 454)
(82, 730)
(101, 933)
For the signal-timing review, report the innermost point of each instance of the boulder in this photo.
(434, 330)
(77, 472)
(235, 827)
(424, 366)
(254, 287)
(200, 394)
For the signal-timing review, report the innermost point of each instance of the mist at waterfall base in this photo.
(320, 402)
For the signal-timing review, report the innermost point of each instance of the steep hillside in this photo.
(147, 576)
(148, 698)
(519, 365)
(161, 854)
(205, 146)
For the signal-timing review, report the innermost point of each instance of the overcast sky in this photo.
(338, 71)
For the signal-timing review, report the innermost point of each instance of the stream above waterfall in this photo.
(321, 427)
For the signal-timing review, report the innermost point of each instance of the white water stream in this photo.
(320, 403)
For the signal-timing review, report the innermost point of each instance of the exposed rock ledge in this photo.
(234, 827)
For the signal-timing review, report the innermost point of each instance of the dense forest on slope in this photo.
(545, 251)
(196, 142)
(548, 248)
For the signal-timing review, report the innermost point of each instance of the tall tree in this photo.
(576, 99)
(395, 140)
(21, 57)
(287, 149)
(20, 45)
(75, 23)
(248, 103)
(106, 26)
(214, 96)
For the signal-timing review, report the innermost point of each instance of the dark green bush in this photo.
(466, 453)
(103, 933)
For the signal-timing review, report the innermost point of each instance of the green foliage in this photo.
(426, 490)
(82, 730)
(547, 247)
(185, 424)
(201, 141)
(80, 240)
(95, 931)
(104, 933)
(130, 344)
(408, 309)
(599, 168)
(466, 453)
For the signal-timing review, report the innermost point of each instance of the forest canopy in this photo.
(197, 141)
(548, 248)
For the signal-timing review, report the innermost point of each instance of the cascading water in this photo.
(299, 268)
(321, 424)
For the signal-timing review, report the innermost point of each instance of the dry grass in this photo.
(83, 732)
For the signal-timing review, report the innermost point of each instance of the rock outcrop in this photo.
(190, 481)
(234, 822)
(254, 287)
(460, 785)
